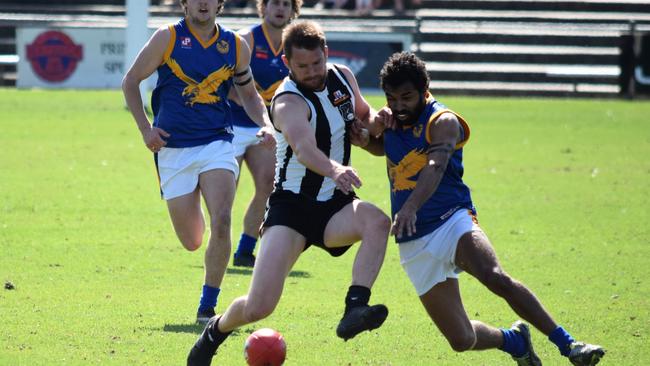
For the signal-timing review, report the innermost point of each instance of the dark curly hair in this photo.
(295, 8)
(403, 67)
(219, 6)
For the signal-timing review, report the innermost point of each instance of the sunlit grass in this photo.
(561, 187)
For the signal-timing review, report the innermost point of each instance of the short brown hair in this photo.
(295, 7)
(219, 6)
(305, 34)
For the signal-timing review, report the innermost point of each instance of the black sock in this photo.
(357, 296)
(216, 333)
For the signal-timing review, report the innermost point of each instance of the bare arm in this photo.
(359, 136)
(444, 135)
(251, 100)
(145, 64)
(246, 36)
(373, 121)
(375, 146)
(370, 139)
(362, 110)
(291, 116)
(245, 86)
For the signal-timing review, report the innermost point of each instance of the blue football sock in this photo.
(246, 244)
(562, 340)
(209, 297)
(513, 343)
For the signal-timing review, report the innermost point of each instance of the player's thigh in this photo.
(261, 163)
(475, 254)
(280, 248)
(347, 225)
(444, 305)
(218, 189)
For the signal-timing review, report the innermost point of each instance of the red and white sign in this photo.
(53, 56)
(84, 58)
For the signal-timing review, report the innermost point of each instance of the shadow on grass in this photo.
(248, 271)
(194, 329)
(184, 328)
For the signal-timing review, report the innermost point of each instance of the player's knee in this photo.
(462, 341)
(378, 221)
(220, 223)
(384, 223)
(192, 247)
(497, 281)
(191, 243)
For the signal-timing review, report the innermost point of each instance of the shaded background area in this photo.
(492, 47)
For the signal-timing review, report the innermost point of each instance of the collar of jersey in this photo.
(269, 41)
(204, 44)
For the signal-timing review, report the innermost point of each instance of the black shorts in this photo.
(306, 215)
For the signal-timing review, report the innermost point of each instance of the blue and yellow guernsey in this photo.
(268, 72)
(190, 100)
(405, 154)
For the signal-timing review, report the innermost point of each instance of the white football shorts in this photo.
(429, 260)
(244, 137)
(179, 168)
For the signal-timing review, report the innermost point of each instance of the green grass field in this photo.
(562, 188)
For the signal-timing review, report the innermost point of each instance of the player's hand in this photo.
(358, 135)
(346, 178)
(266, 136)
(404, 221)
(385, 119)
(153, 138)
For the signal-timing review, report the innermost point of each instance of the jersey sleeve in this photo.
(465, 131)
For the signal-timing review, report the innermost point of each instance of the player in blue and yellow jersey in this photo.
(435, 225)
(197, 63)
(265, 42)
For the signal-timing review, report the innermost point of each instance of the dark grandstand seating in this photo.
(526, 47)
(553, 5)
(7, 47)
(498, 47)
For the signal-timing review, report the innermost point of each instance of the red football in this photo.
(265, 347)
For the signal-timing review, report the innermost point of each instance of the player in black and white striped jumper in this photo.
(315, 110)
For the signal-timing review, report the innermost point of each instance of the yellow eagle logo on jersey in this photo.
(202, 92)
(408, 167)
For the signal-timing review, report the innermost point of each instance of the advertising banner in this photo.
(94, 57)
(70, 57)
(365, 53)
